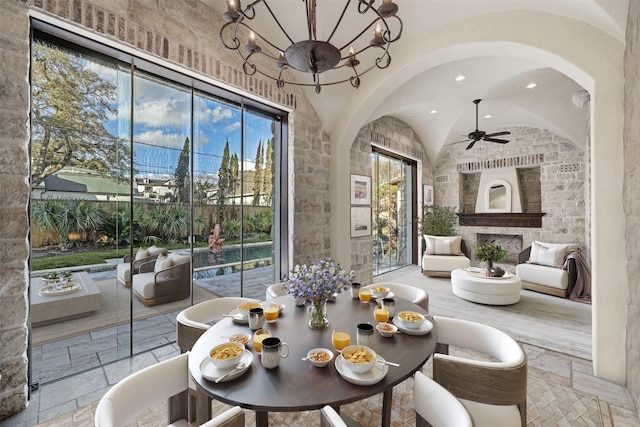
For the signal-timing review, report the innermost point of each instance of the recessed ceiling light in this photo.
(532, 85)
(488, 116)
(433, 112)
(460, 78)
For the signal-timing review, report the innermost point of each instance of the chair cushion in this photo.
(123, 271)
(543, 275)
(492, 415)
(444, 262)
(550, 254)
(443, 245)
(144, 284)
(141, 254)
(162, 263)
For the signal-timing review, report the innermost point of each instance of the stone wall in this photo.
(182, 35)
(562, 185)
(632, 196)
(396, 136)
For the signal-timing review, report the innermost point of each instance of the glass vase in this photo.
(318, 315)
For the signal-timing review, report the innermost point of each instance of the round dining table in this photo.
(296, 384)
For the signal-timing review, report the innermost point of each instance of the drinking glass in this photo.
(258, 336)
(381, 313)
(340, 338)
(364, 295)
(271, 312)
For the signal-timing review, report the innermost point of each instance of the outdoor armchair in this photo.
(163, 280)
(131, 263)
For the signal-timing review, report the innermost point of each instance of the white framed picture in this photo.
(360, 190)
(360, 221)
(427, 196)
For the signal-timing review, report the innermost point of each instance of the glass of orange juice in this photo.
(271, 312)
(340, 339)
(381, 313)
(258, 336)
(364, 295)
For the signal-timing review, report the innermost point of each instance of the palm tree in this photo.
(67, 216)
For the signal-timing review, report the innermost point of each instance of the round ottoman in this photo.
(486, 290)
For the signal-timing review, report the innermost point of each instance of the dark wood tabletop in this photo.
(298, 385)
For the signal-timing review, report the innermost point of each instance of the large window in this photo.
(153, 189)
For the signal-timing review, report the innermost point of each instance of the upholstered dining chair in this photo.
(275, 291)
(330, 418)
(408, 292)
(193, 321)
(493, 385)
(436, 406)
(148, 387)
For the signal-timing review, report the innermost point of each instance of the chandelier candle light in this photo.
(310, 54)
(317, 283)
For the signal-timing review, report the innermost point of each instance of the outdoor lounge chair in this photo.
(163, 280)
(125, 268)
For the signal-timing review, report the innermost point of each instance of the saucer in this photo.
(424, 329)
(375, 375)
(236, 316)
(52, 291)
(211, 372)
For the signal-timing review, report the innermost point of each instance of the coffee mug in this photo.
(355, 289)
(256, 318)
(272, 350)
(364, 334)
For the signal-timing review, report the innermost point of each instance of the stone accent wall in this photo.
(183, 33)
(632, 196)
(14, 194)
(396, 136)
(562, 168)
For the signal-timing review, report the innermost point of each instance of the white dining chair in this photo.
(275, 291)
(149, 386)
(436, 406)
(493, 384)
(412, 293)
(193, 321)
(330, 418)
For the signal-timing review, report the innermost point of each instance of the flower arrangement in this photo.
(317, 281)
(490, 252)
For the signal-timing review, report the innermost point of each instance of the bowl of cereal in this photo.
(242, 337)
(359, 358)
(379, 291)
(246, 306)
(226, 355)
(386, 329)
(320, 356)
(410, 319)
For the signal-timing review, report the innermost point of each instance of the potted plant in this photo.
(490, 253)
(437, 221)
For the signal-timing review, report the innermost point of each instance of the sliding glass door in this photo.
(392, 212)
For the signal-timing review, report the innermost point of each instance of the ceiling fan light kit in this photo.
(480, 135)
(311, 55)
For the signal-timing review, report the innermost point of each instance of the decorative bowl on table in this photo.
(359, 359)
(386, 329)
(379, 291)
(410, 319)
(226, 355)
(242, 338)
(320, 356)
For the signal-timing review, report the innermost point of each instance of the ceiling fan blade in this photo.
(499, 141)
(506, 132)
(470, 145)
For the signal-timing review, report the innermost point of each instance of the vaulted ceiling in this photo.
(439, 108)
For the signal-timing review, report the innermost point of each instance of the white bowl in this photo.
(379, 291)
(244, 308)
(320, 359)
(359, 365)
(220, 360)
(386, 329)
(410, 319)
(242, 337)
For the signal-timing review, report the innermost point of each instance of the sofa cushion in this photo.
(141, 254)
(162, 263)
(444, 262)
(144, 284)
(443, 245)
(550, 254)
(543, 275)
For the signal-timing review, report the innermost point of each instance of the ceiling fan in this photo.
(478, 135)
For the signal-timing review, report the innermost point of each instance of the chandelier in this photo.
(311, 55)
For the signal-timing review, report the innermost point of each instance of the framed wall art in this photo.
(360, 221)
(360, 190)
(427, 195)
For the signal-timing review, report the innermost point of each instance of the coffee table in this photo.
(476, 287)
(297, 385)
(79, 301)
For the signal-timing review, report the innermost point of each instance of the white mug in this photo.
(272, 350)
(256, 318)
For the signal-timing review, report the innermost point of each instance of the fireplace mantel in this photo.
(525, 220)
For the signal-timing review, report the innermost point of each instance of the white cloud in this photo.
(159, 138)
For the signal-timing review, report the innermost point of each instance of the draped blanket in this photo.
(582, 290)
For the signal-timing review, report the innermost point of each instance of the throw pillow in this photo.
(443, 245)
(141, 254)
(549, 254)
(162, 263)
